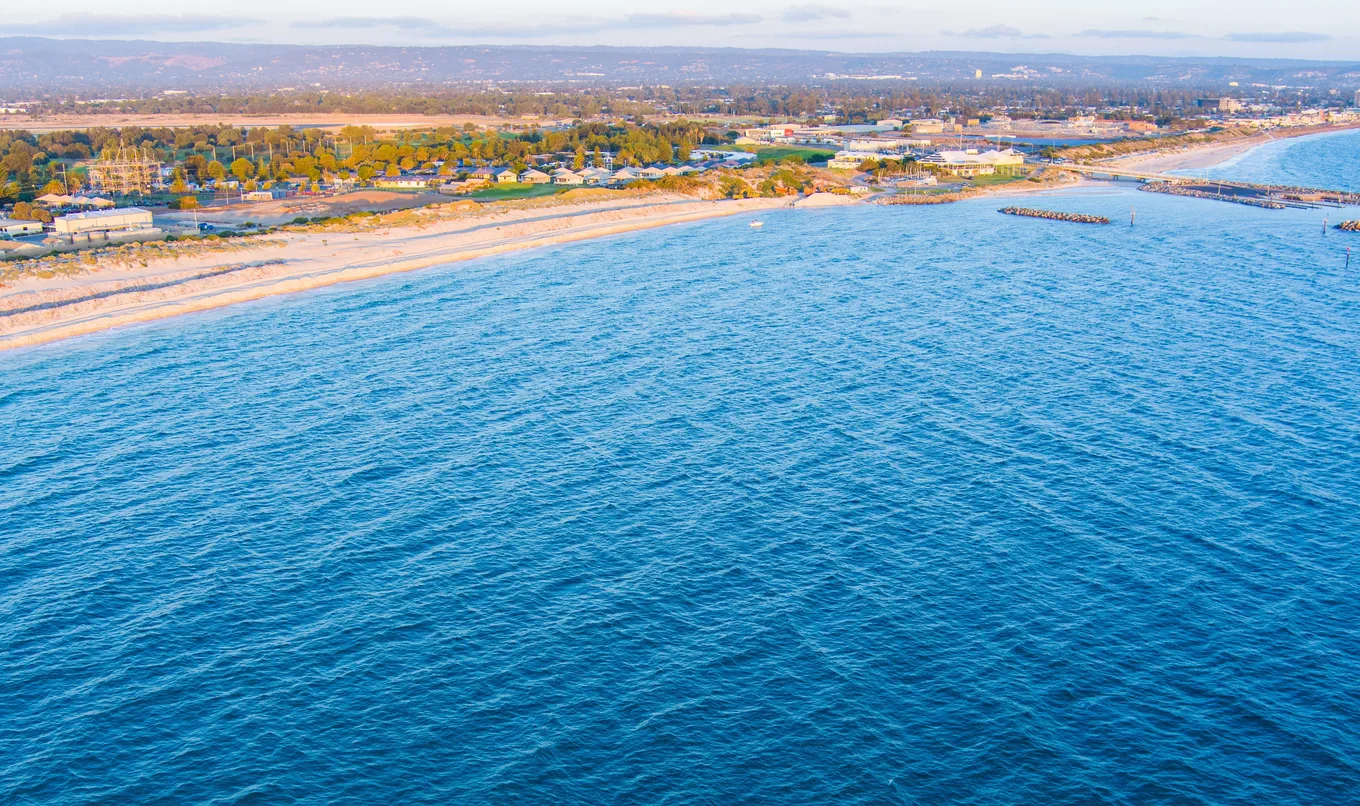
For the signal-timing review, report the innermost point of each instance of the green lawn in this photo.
(766, 154)
(997, 179)
(515, 190)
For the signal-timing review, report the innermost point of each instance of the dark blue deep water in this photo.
(872, 505)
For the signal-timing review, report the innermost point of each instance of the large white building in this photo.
(971, 163)
(128, 219)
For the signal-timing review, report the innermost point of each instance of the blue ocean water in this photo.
(871, 505)
(1326, 160)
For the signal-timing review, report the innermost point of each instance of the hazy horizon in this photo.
(1208, 28)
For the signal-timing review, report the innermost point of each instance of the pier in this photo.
(1270, 197)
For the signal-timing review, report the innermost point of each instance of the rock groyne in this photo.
(1054, 215)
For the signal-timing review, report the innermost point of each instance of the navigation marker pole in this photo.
(1132, 215)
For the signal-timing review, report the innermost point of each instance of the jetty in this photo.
(1270, 197)
(1251, 200)
(1054, 215)
(1349, 226)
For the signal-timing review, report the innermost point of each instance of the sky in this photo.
(1312, 29)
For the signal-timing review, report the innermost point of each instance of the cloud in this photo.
(673, 20)
(132, 24)
(430, 28)
(812, 13)
(1100, 33)
(400, 23)
(827, 36)
(995, 32)
(1286, 36)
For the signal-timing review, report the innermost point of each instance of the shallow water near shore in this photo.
(1327, 160)
(870, 505)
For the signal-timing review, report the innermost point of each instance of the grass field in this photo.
(766, 154)
(515, 191)
(997, 179)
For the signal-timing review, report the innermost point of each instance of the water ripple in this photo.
(867, 506)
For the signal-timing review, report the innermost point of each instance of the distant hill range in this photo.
(31, 66)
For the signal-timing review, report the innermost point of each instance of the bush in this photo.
(23, 211)
(302, 219)
(185, 203)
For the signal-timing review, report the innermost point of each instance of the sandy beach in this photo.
(1207, 156)
(35, 310)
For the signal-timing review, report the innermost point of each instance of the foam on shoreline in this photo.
(44, 311)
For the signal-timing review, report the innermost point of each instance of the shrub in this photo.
(185, 203)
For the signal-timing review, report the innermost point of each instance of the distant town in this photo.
(74, 188)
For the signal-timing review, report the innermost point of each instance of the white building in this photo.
(128, 219)
(851, 160)
(401, 182)
(565, 177)
(533, 176)
(594, 176)
(11, 228)
(971, 163)
(879, 144)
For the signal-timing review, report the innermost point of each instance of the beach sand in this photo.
(35, 310)
(1207, 156)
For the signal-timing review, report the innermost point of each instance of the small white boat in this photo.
(757, 224)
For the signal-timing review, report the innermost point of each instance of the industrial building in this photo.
(97, 223)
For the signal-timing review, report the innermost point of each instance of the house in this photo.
(567, 178)
(401, 182)
(11, 228)
(851, 160)
(484, 174)
(594, 176)
(623, 175)
(651, 172)
(531, 176)
(504, 176)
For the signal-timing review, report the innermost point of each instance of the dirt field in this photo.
(382, 123)
(285, 210)
(332, 122)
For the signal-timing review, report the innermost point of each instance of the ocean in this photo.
(871, 505)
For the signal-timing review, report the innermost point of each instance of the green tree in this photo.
(242, 169)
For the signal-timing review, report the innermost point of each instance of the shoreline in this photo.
(37, 311)
(1210, 155)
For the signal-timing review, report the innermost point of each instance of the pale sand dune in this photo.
(46, 310)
